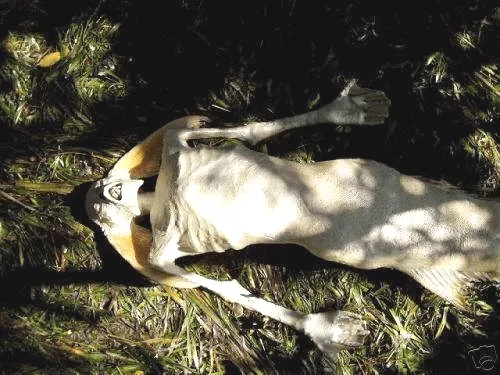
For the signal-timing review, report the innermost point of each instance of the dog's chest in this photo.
(243, 195)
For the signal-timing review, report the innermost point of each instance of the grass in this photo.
(80, 84)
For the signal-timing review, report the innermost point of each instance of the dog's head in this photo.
(112, 201)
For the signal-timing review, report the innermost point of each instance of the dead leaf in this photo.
(48, 60)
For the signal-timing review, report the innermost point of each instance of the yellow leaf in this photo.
(48, 60)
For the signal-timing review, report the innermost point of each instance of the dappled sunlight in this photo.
(412, 185)
(408, 224)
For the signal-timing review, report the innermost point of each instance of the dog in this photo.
(352, 211)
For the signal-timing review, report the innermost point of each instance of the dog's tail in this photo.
(456, 287)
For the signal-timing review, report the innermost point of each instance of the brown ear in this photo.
(144, 159)
(134, 248)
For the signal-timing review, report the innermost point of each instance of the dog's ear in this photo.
(134, 247)
(143, 160)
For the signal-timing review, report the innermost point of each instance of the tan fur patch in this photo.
(144, 159)
(135, 247)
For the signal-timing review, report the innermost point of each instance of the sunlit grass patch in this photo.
(58, 83)
(91, 60)
(482, 146)
(487, 75)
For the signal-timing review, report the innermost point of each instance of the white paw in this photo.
(358, 106)
(335, 330)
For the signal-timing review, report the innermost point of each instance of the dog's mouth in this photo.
(123, 193)
(115, 191)
(112, 192)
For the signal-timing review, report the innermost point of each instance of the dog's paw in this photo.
(357, 106)
(335, 330)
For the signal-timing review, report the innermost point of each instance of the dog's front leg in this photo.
(354, 106)
(330, 331)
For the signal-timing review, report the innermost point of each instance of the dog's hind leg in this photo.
(354, 106)
(330, 331)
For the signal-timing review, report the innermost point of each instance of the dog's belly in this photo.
(378, 217)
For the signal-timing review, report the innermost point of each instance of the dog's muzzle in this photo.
(106, 196)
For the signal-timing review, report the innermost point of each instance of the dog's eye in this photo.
(116, 192)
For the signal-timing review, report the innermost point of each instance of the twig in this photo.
(11, 198)
(45, 187)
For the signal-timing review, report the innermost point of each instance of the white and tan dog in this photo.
(357, 212)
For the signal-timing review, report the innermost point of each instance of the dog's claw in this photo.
(335, 330)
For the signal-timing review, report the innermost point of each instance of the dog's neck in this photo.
(145, 202)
